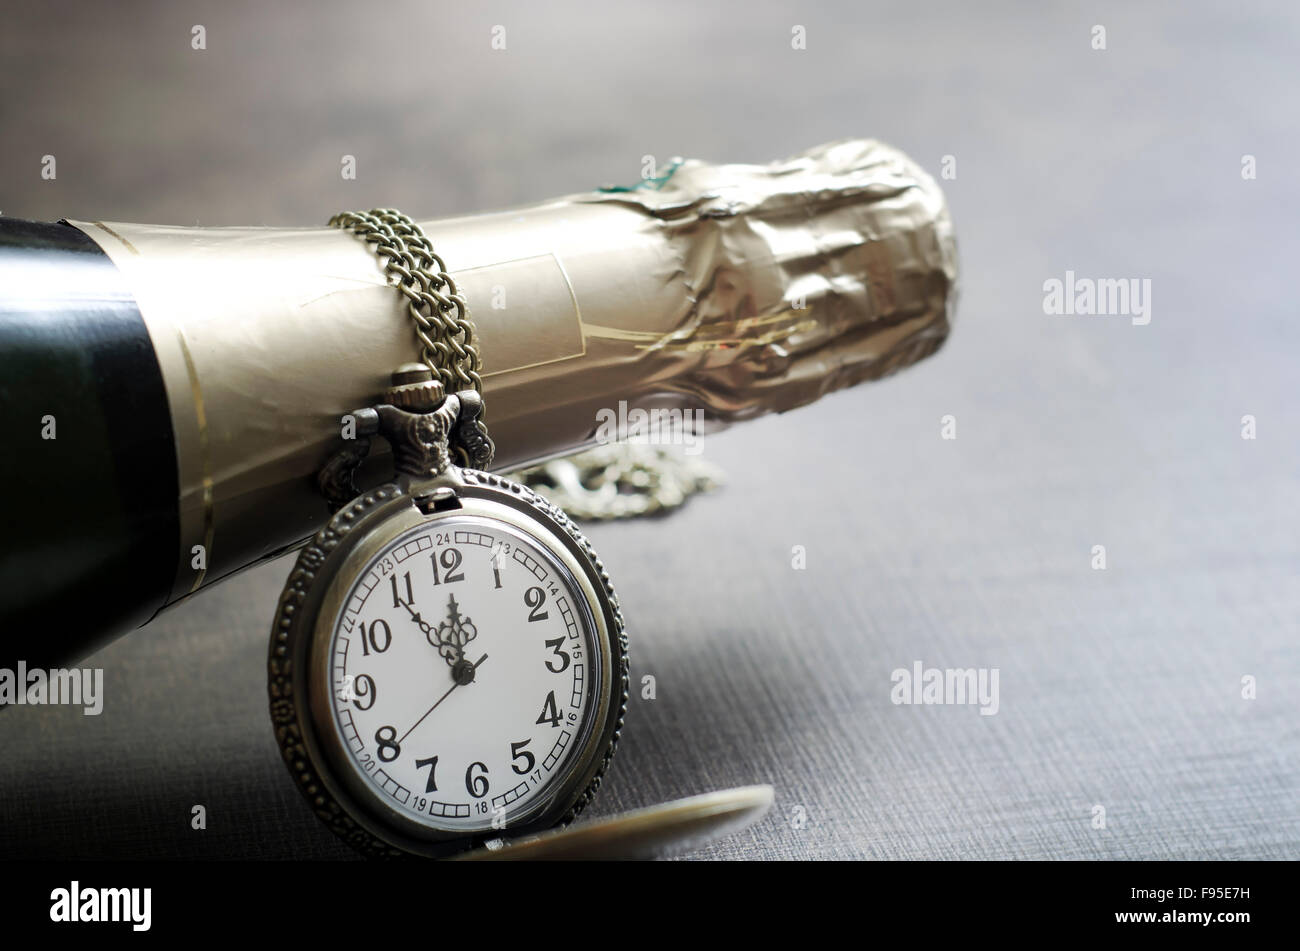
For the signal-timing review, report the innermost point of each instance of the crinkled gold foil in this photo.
(737, 290)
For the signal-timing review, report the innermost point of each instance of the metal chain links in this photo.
(613, 481)
(620, 480)
(441, 316)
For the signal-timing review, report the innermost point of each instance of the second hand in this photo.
(403, 737)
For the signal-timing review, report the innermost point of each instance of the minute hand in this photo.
(453, 634)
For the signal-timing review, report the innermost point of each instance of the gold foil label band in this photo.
(201, 417)
(525, 312)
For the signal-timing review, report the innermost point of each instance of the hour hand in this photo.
(415, 616)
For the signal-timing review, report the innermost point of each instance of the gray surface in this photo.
(1119, 688)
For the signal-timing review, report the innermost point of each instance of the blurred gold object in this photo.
(654, 832)
(736, 290)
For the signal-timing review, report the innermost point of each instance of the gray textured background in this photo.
(1119, 687)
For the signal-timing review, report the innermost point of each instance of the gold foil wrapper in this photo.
(736, 290)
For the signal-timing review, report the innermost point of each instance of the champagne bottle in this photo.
(170, 393)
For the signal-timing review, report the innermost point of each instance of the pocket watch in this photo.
(448, 665)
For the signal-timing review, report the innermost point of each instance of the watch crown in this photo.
(414, 388)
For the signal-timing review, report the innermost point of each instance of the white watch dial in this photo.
(462, 674)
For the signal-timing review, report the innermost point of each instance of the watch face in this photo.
(462, 669)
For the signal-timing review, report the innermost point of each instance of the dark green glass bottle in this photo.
(88, 523)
